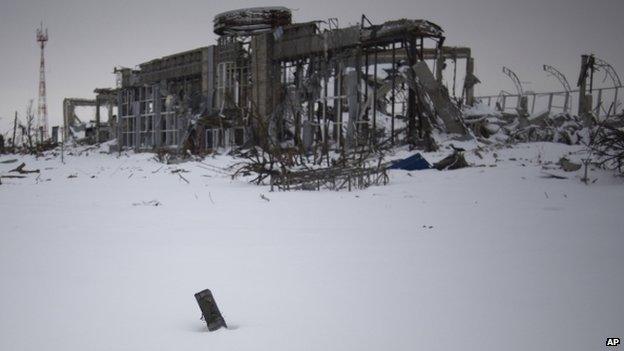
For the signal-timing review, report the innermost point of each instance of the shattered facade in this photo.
(93, 131)
(271, 81)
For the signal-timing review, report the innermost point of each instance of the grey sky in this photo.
(88, 38)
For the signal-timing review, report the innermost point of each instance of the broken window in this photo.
(146, 118)
(169, 130)
(239, 136)
(212, 138)
(127, 118)
(225, 85)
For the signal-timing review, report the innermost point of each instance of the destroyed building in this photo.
(270, 80)
(96, 130)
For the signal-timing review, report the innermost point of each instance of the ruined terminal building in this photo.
(269, 80)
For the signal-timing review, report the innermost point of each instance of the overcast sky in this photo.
(88, 38)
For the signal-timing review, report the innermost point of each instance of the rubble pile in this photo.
(563, 128)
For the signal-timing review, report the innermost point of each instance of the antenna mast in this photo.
(42, 111)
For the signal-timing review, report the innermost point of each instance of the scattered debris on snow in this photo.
(568, 165)
(454, 161)
(154, 203)
(20, 169)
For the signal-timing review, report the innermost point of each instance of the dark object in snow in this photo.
(154, 203)
(454, 161)
(552, 176)
(184, 179)
(413, 163)
(458, 149)
(568, 165)
(210, 312)
(13, 176)
(20, 169)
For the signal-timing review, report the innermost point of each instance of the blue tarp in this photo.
(413, 163)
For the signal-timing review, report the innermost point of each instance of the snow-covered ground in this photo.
(484, 258)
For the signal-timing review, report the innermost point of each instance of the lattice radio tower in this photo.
(42, 112)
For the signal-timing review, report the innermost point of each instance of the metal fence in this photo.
(606, 102)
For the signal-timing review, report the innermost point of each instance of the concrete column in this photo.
(393, 98)
(584, 99)
(374, 133)
(208, 77)
(264, 78)
(157, 115)
(411, 96)
(354, 108)
(439, 67)
(325, 94)
(119, 121)
(136, 111)
(353, 80)
(470, 87)
(298, 75)
(111, 123)
(523, 105)
(97, 119)
(65, 119)
(598, 103)
(338, 103)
